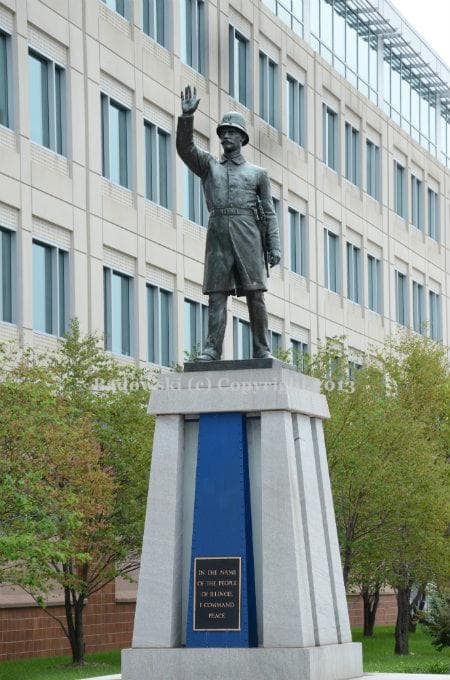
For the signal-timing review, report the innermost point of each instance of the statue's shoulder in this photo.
(255, 168)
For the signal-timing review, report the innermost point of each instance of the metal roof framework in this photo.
(392, 38)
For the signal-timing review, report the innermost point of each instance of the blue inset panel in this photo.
(224, 589)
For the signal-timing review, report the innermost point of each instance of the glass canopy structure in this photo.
(371, 45)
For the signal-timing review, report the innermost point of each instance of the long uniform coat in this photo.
(234, 258)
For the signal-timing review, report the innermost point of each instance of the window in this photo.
(295, 109)
(6, 275)
(117, 311)
(195, 327)
(195, 208)
(373, 169)
(47, 102)
(116, 5)
(115, 141)
(374, 284)
(399, 190)
(274, 342)
(242, 339)
(193, 34)
(157, 164)
(5, 83)
(416, 202)
(298, 246)
(299, 352)
(330, 138)
(435, 316)
(353, 368)
(433, 215)
(331, 261)
(155, 20)
(353, 273)
(289, 11)
(50, 289)
(418, 308)
(239, 74)
(401, 300)
(159, 328)
(351, 154)
(268, 89)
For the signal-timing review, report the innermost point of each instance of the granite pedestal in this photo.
(303, 630)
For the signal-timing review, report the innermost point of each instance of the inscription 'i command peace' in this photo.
(217, 593)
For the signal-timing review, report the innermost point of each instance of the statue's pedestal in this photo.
(283, 608)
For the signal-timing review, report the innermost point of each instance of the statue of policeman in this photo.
(242, 236)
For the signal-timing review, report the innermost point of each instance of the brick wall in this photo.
(386, 612)
(28, 631)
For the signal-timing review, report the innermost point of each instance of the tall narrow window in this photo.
(374, 284)
(351, 154)
(239, 72)
(298, 244)
(193, 34)
(331, 261)
(401, 298)
(416, 202)
(194, 207)
(435, 316)
(47, 102)
(4, 80)
(118, 311)
(157, 163)
(195, 327)
(242, 339)
(50, 289)
(433, 215)
(117, 5)
(353, 273)
(399, 190)
(155, 20)
(268, 89)
(274, 342)
(115, 141)
(6, 276)
(330, 138)
(299, 352)
(159, 326)
(418, 308)
(373, 169)
(295, 109)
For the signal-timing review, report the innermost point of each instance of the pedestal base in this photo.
(328, 662)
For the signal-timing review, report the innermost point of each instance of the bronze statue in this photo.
(243, 237)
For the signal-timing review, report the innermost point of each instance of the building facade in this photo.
(346, 107)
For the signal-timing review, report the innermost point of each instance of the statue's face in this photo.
(231, 139)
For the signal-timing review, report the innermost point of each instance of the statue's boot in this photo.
(217, 321)
(259, 323)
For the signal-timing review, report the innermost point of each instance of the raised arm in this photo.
(196, 159)
(273, 233)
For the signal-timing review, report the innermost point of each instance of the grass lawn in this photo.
(58, 667)
(378, 656)
(378, 653)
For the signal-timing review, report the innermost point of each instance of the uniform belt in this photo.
(217, 212)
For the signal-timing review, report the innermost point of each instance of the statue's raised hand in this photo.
(189, 100)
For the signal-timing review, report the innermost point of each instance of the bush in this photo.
(437, 621)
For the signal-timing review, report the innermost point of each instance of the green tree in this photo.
(387, 441)
(109, 493)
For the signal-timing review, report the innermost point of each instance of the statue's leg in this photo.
(217, 321)
(259, 323)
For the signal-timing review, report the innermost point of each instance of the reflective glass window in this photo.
(193, 34)
(298, 243)
(433, 215)
(6, 275)
(401, 298)
(115, 146)
(295, 110)
(331, 263)
(159, 326)
(416, 202)
(238, 66)
(242, 339)
(373, 169)
(418, 308)
(353, 273)
(50, 289)
(434, 301)
(154, 20)
(4, 80)
(374, 284)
